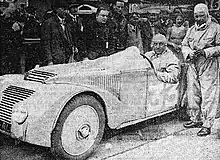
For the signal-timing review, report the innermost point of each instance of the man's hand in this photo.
(194, 55)
(199, 52)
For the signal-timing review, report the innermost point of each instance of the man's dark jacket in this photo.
(57, 42)
(100, 40)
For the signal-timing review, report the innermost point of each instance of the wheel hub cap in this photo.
(84, 132)
(80, 130)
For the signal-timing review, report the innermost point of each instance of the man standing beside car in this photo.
(56, 38)
(99, 36)
(201, 49)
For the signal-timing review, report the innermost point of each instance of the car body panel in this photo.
(124, 82)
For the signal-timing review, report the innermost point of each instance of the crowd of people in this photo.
(16, 24)
(66, 37)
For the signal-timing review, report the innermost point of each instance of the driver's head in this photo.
(159, 43)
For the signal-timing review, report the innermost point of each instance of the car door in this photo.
(133, 93)
(161, 97)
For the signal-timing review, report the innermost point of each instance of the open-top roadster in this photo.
(66, 107)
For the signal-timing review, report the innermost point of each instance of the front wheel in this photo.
(79, 128)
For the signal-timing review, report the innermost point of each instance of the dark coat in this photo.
(11, 46)
(119, 23)
(100, 40)
(146, 34)
(31, 28)
(57, 43)
(76, 29)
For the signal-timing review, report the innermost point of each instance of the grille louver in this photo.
(38, 76)
(11, 96)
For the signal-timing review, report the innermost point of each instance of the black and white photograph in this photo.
(109, 79)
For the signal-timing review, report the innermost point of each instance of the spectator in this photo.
(119, 22)
(75, 24)
(56, 38)
(31, 29)
(201, 49)
(100, 38)
(166, 64)
(48, 14)
(1, 32)
(32, 25)
(163, 23)
(176, 33)
(139, 33)
(12, 40)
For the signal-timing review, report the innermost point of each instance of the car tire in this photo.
(78, 141)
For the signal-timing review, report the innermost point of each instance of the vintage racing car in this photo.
(67, 107)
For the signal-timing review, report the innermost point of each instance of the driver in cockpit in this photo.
(165, 64)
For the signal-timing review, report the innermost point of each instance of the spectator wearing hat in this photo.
(31, 29)
(56, 38)
(161, 26)
(74, 22)
(139, 33)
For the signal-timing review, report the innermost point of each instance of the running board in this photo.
(144, 119)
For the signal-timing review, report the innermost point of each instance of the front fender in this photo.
(38, 130)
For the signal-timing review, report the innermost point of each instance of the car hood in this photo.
(128, 59)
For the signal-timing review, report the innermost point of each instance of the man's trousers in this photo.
(203, 90)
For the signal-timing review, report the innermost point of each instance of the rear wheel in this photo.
(79, 128)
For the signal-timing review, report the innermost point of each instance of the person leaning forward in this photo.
(56, 38)
(201, 50)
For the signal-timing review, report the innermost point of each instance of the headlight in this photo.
(19, 115)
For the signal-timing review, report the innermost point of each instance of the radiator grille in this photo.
(38, 76)
(11, 96)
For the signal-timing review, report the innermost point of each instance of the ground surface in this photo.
(161, 138)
